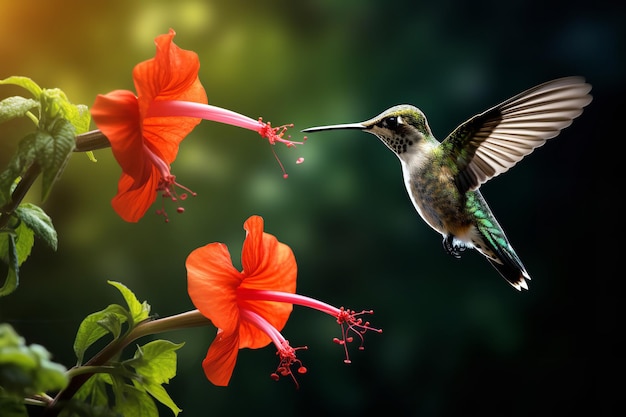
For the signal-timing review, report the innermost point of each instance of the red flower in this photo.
(146, 129)
(251, 307)
(146, 146)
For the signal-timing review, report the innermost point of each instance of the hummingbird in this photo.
(443, 179)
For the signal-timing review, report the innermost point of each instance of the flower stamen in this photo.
(285, 352)
(287, 356)
(276, 134)
(167, 184)
(351, 323)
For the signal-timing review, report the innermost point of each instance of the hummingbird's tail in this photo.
(494, 245)
(508, 264)
(489, 239)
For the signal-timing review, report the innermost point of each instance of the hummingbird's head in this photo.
(398, 127)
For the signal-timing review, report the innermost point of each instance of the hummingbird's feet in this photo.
(451, 248)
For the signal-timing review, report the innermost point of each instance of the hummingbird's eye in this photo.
(392, 122)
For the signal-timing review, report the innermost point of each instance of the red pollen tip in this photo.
(288, 359)
(167, 187)
(277, 134)
(352, 324)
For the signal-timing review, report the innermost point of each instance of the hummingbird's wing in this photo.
(490, 143)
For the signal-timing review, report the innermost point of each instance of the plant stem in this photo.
(19, 193)
(180, 321)
(91, 141)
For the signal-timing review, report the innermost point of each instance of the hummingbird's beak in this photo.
(357, 126)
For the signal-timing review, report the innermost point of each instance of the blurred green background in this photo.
(458, 340)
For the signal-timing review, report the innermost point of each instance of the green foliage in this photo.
(12, 406)
(97, 325)
(47, 149)
(37, 221)
(52, 151)
(44, 152)
(26, 83)
(8, 253)
(134, 382)
(52, 102)
(27, 370)
(15, 247)
(110, 320)
(138, 311)
(17, 242)
(52, 143)
(14, 107)
(128, 399)
(155, 363)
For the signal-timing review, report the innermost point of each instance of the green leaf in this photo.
(15, 247)
(155, 362)
(93, 391)
(98, 324)
(27, 370)
(91, 399)
(14, 107)
(53, 150)
(50, 147)
(51, 375)
(21, 160)
(80, 117)
(39, 222)
(135, 402)
(139, 311)
(24, 82)
(161, 395)
(12, 406)
(10, 253)
(23, 239)
(91, 156)
(55, 105)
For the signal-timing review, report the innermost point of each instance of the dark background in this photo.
(458, 340)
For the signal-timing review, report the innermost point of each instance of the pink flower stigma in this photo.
(276, 134)
(287, 356)
(351, 323)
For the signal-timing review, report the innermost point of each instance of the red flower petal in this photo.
(171, 75)
(212, 283)
(132, 201)
(221, 358)
(268, 265)
(117, 116)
